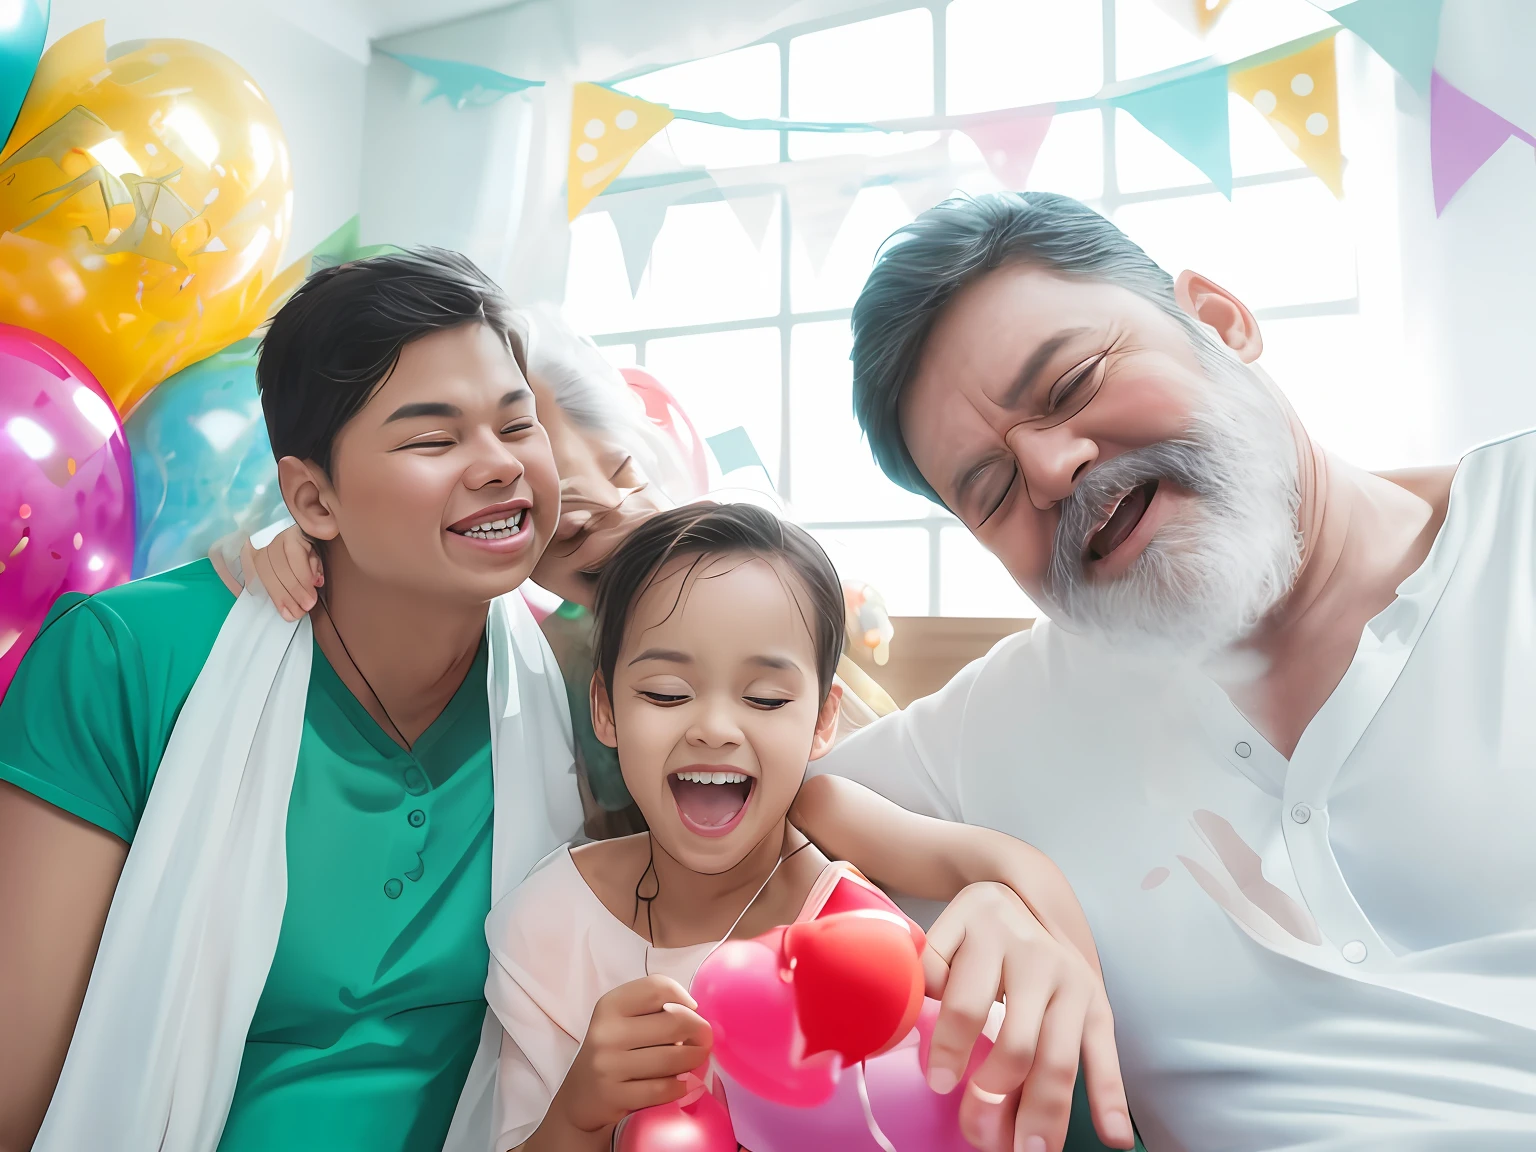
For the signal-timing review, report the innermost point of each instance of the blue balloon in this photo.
(23, 29)
(202, 464)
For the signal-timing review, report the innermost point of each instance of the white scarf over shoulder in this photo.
(194, 922)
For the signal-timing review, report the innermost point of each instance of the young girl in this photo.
(718, 629)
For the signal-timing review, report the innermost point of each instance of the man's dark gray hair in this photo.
(922, 266)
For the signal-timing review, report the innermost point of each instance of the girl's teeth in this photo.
(713, 777)
(496, 529)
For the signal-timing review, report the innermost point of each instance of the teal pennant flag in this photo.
(733, 449)
(1404, 33)
(1190, 116)
(462, 84)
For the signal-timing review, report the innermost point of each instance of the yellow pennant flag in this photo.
(607, 129)
(1299, 96)
(1197, 16)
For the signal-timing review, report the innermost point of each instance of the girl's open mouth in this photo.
(711, 798)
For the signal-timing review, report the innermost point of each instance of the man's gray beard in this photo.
(1207, 577)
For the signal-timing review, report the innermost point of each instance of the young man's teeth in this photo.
(713, 777)
(496, 529)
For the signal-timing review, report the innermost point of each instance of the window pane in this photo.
(1272, 245)
(743, 83)
(1007, 53)
(1148, 40)
(1340, 378)
(973, 582)
(876, 213)
(725, 380)
(703, 268)
(1256, 148)
(1144, 163)
(894, 561)
(1071, 161)
(832, 475)
(872, 70)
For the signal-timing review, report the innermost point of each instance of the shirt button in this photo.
(1301, 813)
(415, 781)
(417, 818)
(1354, 951)
(1243, 749)
(393, 888)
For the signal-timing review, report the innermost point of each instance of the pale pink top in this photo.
(555, 950)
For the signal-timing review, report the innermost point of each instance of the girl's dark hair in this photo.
(706, 530)
(339, 336)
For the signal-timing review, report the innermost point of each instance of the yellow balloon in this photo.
(145, 202)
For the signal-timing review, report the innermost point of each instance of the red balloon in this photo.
(858, 982)
(698, 1125)
(663, 410)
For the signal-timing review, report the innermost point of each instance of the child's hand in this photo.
(288, 569)
(643, 1036)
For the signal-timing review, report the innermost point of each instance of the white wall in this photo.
(1470, 275)
(314, 76)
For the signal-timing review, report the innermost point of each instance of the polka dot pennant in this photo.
(1299, 96)
(607, 129)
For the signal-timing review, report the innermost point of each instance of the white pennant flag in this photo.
(638, 217)
(754, 211)
(925, 177)
(820, 196)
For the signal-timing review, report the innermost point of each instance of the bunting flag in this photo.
(931, 177)
(1299, 96)
(733, 449)
(1404, 33)
(1463, 136)
(1197, 16)
(1189, 114)
(462, 84)
(607, 128)
(820, 198)
(638, 219)
(754, 214)
(1010, 146)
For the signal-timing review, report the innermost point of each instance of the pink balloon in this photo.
(66, 487)
(697, 1124)
(743, 989)
(667, 414)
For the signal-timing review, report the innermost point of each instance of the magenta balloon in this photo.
(744, 991)
(700, 1125)
(66, 487)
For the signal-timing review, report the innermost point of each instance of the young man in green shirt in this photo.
(395, 395)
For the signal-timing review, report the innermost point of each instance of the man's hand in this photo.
(988, 946)
(643, 1036)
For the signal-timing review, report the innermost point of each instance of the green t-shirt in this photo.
(372, 1011)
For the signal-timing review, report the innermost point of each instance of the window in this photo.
(757, 335)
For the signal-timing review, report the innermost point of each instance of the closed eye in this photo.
(1071, 385)
(522, 426)
(768, 703)
(426, 444)
(665, 699)
(1013, 479)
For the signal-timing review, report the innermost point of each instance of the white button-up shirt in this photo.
(1335, 952)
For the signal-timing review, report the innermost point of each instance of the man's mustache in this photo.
(1181, 462)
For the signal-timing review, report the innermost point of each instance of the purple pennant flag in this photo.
(1463, 136)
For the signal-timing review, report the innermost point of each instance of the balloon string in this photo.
(878, 1136)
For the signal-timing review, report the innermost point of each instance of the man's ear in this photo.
(1223, 313)
(310, 498)
(826, 723)
(602, 712)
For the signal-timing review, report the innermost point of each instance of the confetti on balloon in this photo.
(66, 488)
(1299, 96)
(145, 203)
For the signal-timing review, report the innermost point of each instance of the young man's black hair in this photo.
(338, 338)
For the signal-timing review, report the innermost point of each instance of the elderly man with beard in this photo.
(1279, 728)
